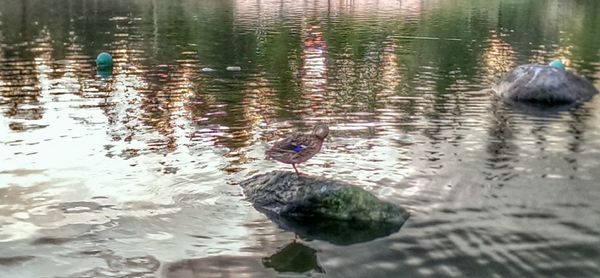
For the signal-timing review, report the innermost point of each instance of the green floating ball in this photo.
(104, 60)
(557, 64)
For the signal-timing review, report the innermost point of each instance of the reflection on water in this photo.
(336, 232)
(135, 171)
(295, 257)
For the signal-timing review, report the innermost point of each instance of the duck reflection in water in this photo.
(299, 147)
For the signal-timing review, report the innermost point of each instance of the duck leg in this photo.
(294, 165)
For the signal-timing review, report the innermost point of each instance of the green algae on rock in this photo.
(289, 195)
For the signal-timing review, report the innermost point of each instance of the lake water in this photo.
(136, 174)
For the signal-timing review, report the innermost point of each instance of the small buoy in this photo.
(233, 68)
(208, 69)
(557, 64)
(104, 60)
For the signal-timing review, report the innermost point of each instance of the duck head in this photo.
(321, 131)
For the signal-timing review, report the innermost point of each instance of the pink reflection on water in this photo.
(313, 80)
(249, 12)
(498, 58)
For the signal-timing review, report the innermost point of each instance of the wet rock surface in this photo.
(543, 85)
(323, 209)
(288, 195)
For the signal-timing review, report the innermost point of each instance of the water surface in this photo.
(135, 173)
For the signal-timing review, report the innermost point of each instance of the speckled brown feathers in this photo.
(298, 147)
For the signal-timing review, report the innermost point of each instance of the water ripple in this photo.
(134, 172)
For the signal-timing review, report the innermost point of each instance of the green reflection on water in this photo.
(294, 257)
(405, 66)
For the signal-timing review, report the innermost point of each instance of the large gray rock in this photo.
(290, 195)
(321, 208)
(543, 85)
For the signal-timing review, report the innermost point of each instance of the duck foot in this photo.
(297, 173)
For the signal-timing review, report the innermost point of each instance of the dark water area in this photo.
(135, 173)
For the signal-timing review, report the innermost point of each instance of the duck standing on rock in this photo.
(299, 147)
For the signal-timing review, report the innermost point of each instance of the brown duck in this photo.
(298, 147)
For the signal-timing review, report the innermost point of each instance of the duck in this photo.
(298, 147)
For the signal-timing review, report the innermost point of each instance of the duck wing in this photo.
(296, 148)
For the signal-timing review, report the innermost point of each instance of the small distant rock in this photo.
(208, 69)
(233, 68)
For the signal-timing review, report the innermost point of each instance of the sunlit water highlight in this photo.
(136, 173)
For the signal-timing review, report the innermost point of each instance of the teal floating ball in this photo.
(557, 64)
(104, 60)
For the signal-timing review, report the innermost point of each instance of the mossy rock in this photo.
(286, 194)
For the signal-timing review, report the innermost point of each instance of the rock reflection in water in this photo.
(294, 257)
(336, 231)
